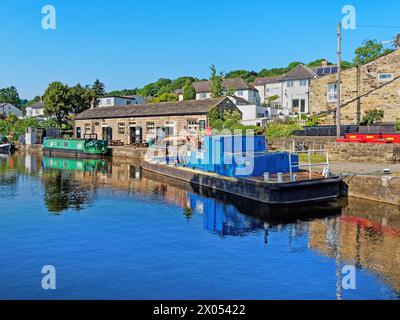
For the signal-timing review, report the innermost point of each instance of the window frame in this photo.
(121, 127)
(331, 96)
(380, 74)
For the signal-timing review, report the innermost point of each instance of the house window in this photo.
(203, 95)
(128, 102)
(121, 128)
(303, 82)
(332, 92)
(193, 126)
(290, 84)
(150, 127)
(88, 128)
(385, 76)
(295, 105)
(302, 106)
(240, 93)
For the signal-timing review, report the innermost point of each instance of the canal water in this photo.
(114, 231)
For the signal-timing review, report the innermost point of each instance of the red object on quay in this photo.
(377, 138)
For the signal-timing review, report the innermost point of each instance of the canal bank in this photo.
(361, 180)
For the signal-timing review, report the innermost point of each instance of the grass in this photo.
(315, 158)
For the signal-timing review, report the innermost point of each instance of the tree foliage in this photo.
(189, 93)
(98, 88)
(372, 116)
(217, 88)
(369, 51)
(10, 95)
(166, 97)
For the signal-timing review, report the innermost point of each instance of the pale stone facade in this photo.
(123, 128)
(375, 85)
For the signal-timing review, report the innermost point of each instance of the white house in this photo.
(36, 110)
(270, 87)
(236, 86)
(110, 101)
(296, 87)
(7, 109)
(252, 114)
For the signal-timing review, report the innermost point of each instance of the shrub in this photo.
(277, 130)
(372, 116)
(397, 125)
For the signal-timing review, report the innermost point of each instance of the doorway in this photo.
(107, 133)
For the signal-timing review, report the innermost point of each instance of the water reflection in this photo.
(353, 231)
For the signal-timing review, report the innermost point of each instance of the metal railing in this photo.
(309, 165)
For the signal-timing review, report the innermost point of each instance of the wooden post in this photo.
(339, 53)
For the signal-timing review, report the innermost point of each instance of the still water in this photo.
(113, 231)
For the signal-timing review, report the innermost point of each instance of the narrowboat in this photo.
(89, 147)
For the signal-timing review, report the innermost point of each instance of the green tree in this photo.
(369, 51)
(98, 88)
(80, 98)
(216, 80)
(10, 95)
(293, 65)
(372, 116)
(166, 97)
(189, 93)
(57, 101)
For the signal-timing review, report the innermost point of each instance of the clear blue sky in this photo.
(128, 43)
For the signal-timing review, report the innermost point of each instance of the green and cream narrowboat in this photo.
(76, 148)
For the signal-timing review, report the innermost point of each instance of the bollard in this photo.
(266, 176)
(294, 178)
(280, 177)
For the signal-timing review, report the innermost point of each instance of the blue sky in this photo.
(128, 43)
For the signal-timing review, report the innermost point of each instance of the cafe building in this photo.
(140, 123)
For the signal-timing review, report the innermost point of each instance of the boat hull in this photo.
(72, 154)
(5, 148)
(271, 193)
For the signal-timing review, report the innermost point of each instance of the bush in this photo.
(397, 125)
(372, 116)
(19, 126)
(278, 130)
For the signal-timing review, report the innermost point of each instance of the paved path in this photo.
(363, 168)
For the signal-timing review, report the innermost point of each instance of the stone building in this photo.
(371, 86)
(138, 123)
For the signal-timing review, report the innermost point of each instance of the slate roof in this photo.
(37, 105)
(300, 72)
(266, 80)
(189, 107)
(231, 83)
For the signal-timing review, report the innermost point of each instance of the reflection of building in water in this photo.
(222, 218)
(366, 235)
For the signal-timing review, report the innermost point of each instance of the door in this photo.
(136, 134)
(303, 106)
(78, 132)
(107, 133)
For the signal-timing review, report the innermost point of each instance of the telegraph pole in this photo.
(339, 57)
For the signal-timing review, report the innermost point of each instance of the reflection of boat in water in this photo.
(85, 165)
(5, 145)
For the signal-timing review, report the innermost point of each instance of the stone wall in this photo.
(361, 91)
(96, 126)
(377, 188)
(363, 152)
(312, 143)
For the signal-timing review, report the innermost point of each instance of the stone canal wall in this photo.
(314, 143)
(377, 188)
(128, 152)
(363, 152)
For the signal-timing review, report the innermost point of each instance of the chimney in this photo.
(93, 103)
(324, 63)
